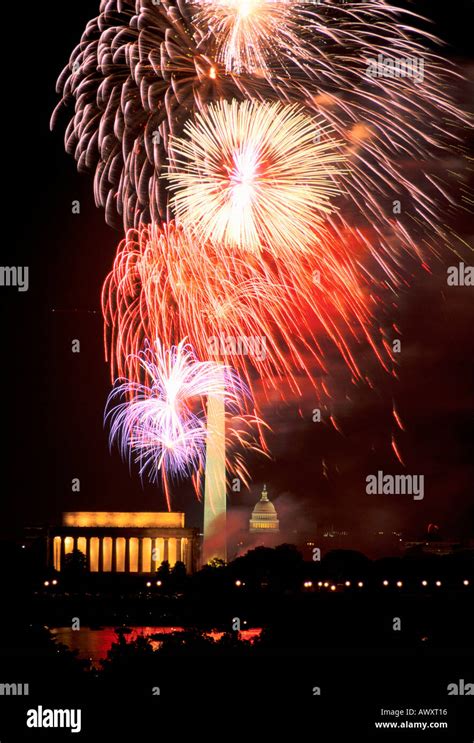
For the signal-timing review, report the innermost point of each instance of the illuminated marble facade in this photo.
(122, 542)
(264, 516)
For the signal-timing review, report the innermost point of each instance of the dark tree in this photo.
(340, 564)
(178, 572)
(163, 571)
(75, 563)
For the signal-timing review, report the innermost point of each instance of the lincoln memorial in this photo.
(122, 542)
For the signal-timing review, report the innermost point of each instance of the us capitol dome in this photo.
(264, 516)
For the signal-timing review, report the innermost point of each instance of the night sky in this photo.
(54, 399)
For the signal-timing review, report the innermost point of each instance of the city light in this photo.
(385, 583)
(308, 584)
(325, 585)
(333, 588)
(465, 582)
(158, 583)
(46, 583)
(438, 583)
(399, 584)
(347, 583)
(320, 583)
(424, 582)
(148, 583)
(238, 583)
(360, 584)
(55, 582)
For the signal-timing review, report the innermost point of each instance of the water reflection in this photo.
(94, 644)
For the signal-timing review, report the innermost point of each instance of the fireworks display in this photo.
(164, 284)
(143, 69)
(261, 170)
(161, 423)
(251, 34)
(138, 73)
(276, 182)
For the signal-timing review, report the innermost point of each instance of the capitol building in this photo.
(264, 518)
(263, 528)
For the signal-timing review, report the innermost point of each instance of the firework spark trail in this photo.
(397, 418)
(163, 286)
(251, 175)
(142, 69)
(250, 35)
(156, 424)
(397, 450)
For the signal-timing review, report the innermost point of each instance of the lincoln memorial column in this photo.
(165, 551)
(88, 553)
(178, 548)
(154, 555)
(63, 553)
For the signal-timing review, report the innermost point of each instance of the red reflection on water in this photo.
(245, 634)
(94, 644)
